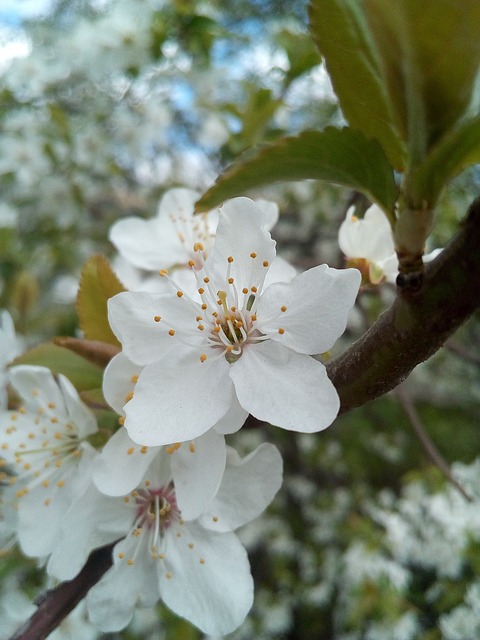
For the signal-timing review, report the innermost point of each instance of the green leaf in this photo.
(430, 53)
(454, 153)
(98, 283)
(342, 156)
(82, 374)
(341, 34)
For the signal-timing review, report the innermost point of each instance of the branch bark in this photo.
(56, 604)
(417, 324)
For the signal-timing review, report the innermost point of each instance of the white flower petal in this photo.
(178, 398)
(269, 211)
(119, 381)
(285, 388)
(38, 389)
(216, 594)
(370, 238)
(280, 271)
(142, 242)
(317, 304)
(239, 235)
(112, 600)
(42, 509)
(80, 414)
(247, 488)
(197, 471)
(92, 521)
(142, 321)
(232, 420)
(122, 464)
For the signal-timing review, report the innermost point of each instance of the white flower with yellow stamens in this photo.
(43, 444)
(243, 344)
(197, 566)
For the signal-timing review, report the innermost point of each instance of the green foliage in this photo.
(341, 34)
(83, 374)
(98, 283)
(430, 54)
(342, 156)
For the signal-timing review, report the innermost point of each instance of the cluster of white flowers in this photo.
(231, 331)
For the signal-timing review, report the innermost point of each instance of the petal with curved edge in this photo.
(197, 470)
(178, 398)
(310, 313)
(119, 380)
(285, 388)
(240, 235)
(142, 322)
(248, 486)
(210, 584)
(122, 464)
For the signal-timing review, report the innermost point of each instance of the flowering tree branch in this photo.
(417, 324)
(56, 604)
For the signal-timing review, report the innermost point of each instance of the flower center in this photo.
(157, 509)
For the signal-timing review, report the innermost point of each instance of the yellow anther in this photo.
(60, 484)
(169, 450)
(281, 331)
(202, 560)
(134, 379)
(47, 501)
(231, 281)
(198, 246)
(198, 318)
(163, 272)
(201, 327)
(233, 309)
(131, 450)
(46, 483)
(244, 290)
(179, 294)
(203, 357)
(157, 318)
(129, 396)
(253, 254)
(215, 518)
(192, 447)
(190, 545)
(130, 562)
(171, 332)
(201, 290)
(168, 575)
(206, 280)
(191, 263)
(121, 420)
(254, 289)
(215, 314)
(144, 449)
(204, 306)
(266, 263)
(284, 308)
(121, 556)
(216, 329)
(161, 556)
(22, 410)
(51, 405)
(147, 483)
(126, 499)
(58, 463)
(230, 259)
(31, 436)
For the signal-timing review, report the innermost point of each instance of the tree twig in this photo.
(430, 448)
(55, 604)
(417, 324)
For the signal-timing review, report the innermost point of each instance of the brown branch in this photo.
(56, 604)
(417, 324)
(430, 448)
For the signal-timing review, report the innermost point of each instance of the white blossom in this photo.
(196, 566)
(43, 443)
(243, 344)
